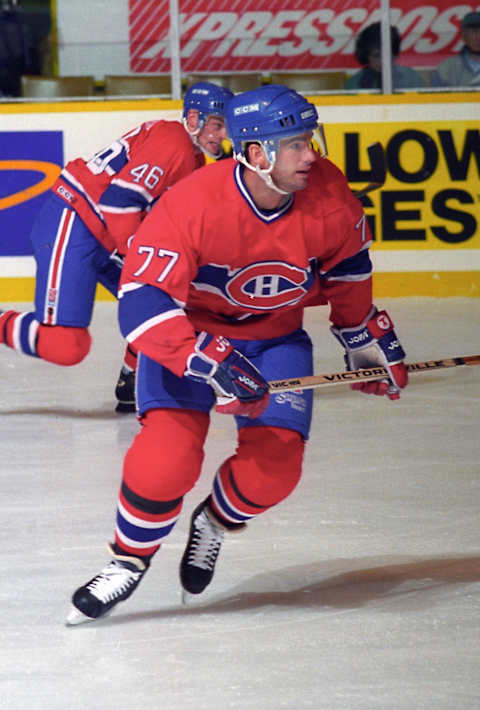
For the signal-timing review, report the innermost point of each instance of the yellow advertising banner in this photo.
(431, 196)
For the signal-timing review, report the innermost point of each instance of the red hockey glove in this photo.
(239, 386)
(374, 343)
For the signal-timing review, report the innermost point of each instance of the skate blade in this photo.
(189, 599)
(76, 617)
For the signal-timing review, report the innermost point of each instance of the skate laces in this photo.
(113, 580)
(205, 544)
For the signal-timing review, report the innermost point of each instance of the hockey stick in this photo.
(378, 162)
(375, 373)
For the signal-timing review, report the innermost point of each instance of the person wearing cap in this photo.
(463, 69)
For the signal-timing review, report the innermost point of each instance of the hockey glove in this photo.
(374, 343)
(238, 385)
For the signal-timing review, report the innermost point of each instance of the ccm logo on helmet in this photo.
(306, 114)
(247, 108)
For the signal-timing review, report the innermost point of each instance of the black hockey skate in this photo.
(114, 584)
(125, 391)
(203, 546)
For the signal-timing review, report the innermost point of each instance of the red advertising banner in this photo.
(262, 35)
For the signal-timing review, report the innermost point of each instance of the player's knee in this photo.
(63, 345)
(166, 456)
(268, 463)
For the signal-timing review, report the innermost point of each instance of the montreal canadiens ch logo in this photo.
(267, 285)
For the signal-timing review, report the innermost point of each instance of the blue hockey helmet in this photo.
(206, 98)
(268, 114)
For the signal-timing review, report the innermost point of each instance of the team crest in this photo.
(268, 285)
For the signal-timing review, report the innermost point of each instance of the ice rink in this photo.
(359, 592)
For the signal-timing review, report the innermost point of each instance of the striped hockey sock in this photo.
(19, 331)
(143, 524)
(228, 504)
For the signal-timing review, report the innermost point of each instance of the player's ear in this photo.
(256, 156)
(192, 120)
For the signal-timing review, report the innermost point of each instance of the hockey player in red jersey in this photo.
(95, 206)
(213, 291)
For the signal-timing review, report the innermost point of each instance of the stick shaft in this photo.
(378, 163)
(366, 375)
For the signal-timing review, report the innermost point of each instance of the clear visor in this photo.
(319, 142)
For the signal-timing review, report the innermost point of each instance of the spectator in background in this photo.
(14, 48)
(464, 68)
(368, 52)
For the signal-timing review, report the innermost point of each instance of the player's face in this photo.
(294, 160)
(212, 135)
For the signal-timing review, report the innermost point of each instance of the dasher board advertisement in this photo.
(260, 36)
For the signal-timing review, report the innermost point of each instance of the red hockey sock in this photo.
(264, 471)
(7, 320)
(162, 464)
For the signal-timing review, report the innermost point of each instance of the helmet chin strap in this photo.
(207, 152)
(194, 136)
(264, 173)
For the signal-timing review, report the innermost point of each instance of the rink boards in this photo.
(424, 219)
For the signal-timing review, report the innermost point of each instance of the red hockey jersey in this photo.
(113, 191)
(207, 258)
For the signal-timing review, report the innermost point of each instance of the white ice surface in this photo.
(360, 592)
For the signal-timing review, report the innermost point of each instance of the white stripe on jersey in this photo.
(152, 322)
(132, 186)
(119, 210)
(131, 286)
(78, 186)
(349, 277)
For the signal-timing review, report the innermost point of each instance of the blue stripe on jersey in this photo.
(120, 197)
(140, 305)
(265, 215)
(112, 159)
(355, 268)
(119, 161)
(139, 534)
